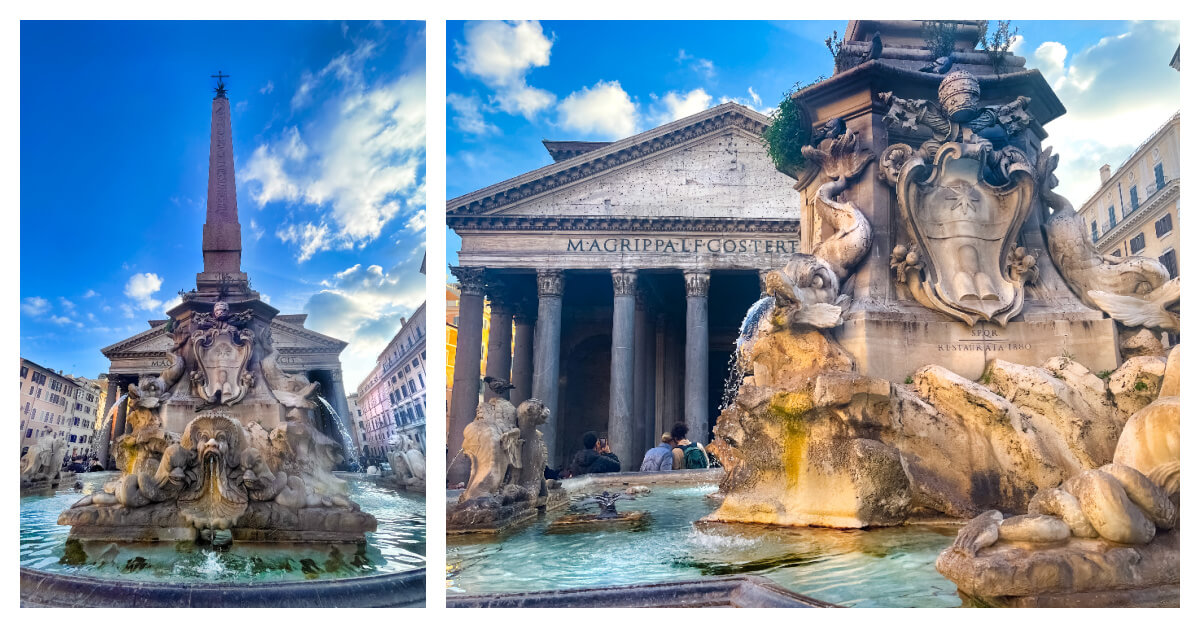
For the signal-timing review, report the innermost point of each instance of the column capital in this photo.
(696, 282)
(497, 293)
(550, 282)
(624, 282)
(471, 279)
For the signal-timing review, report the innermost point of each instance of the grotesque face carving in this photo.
(214, 436)
(220, 309)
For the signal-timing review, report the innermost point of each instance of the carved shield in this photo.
(223, 357)
(966, 227)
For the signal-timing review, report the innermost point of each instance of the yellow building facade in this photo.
(1136, 209)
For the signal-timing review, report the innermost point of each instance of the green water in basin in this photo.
(398, 545)
(885, 567)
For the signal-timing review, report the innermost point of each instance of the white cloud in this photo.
(256, 230)
(469, 115)
(359, 162)
(35, 306)
(500, 54)
(90, 293)
(754, 97)
(703, 67)
(64, 320)
(1117, 92)
(126, 310)
(141, 288)
(309, 237)
(603, 110)
(66, 304)
(676, 105)
(363, 306)
(268, 88)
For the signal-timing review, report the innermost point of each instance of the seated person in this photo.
(595, 457)
(660, 458)
(688, 455)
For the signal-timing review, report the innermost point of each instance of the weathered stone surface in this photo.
(1170, 383)
(1142, 343)
(964, 446)
(1122, 522)
(1060, 412)
(1150, 442)
(1136, 383)
(1081, 565)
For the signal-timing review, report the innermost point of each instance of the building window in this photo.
(416, 364)
(1162, 226)
(1159, 178)
(1168, 260)
(28, 433)
(1116, 253)
(1095, 232)
(1137, 243)
(1133, 199)
(1112, 217)
(24, 371)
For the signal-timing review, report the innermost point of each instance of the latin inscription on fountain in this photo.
(694, 246)
(988, 340)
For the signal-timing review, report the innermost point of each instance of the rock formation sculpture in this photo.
(1106, 536)
(407, 460)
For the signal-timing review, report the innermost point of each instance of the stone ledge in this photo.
(44, 589)
(735, 592)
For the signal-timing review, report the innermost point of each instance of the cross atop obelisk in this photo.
(222, 276)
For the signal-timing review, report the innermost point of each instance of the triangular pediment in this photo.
(711, 164)
(155, 340)
(290, 337)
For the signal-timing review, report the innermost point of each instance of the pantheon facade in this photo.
(618, 277)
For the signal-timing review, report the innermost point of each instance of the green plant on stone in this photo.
(999, 43)
(939, 36)
(1140, 386)
(790, 130)
(1104, 374)
(842, 59)
(986, 378)
(908, 380)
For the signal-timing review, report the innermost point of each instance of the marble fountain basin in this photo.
(881, 567)
(387, 570)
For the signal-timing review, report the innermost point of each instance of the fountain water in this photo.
(351, 456)
(737, 365)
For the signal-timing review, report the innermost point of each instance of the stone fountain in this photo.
(507, 484)
(222, 445)
(408, 463)
(41, 466)
(949, 343)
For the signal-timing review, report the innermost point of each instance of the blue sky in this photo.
(329, 135)
(512, 84)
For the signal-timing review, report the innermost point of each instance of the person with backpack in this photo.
(688, 455)
(662, 457)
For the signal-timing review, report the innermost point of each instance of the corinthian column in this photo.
(522, 361)
(695, 382)
(499, 352)
(464, 397)
(546, 346)
(620, 387)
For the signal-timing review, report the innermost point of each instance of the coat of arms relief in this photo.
(222, 344)
(962, 201)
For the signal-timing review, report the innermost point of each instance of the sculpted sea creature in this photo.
(1133, 289)
(492, 442)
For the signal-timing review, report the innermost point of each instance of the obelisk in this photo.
(222, 276)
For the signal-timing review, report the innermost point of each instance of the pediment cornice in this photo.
(583, 166)
(622, 224)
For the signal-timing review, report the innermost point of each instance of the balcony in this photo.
(1110, 231)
